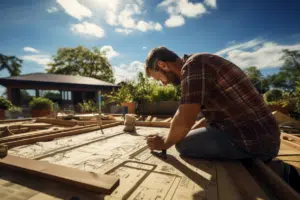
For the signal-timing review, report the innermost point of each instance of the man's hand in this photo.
(156, 142)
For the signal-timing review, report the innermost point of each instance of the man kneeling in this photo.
(237, 125)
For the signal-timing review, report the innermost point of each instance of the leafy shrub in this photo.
(15, 109)
(164, 93)
(123, 94)
(41, 103)
(5, 104)
(273, 95)
(89, 106)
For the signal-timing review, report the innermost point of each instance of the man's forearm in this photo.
(180, 126)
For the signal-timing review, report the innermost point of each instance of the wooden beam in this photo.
(83, 123)
(168, 120)
(36, 125)
(99, 183)
(154, 119)
(290, 137)
(38, 133)
(57, 135)
(278, 186)
(148, 119)
(153, 124)
(59, 122)
(291, 144)
(246, 185)
(14, 120)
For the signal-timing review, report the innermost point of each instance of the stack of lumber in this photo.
(38, 136)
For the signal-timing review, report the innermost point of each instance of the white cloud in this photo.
(52, 10)
(183, 7)
(125, 72)
(144, 48)
(178, 9)
(123, 31)
(87, 28)
(30, 49)
(245, 45)
(75, 9)
(174, 21)
(42, 59)
(211, 3)
(126, 19)
(109, 52)
(257, 52)
(189, 9)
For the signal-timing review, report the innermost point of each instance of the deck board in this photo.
(142, 175)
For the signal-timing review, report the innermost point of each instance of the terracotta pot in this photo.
(130, 105)
(2, 114)
(40, 113)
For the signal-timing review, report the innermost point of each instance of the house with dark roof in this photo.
(64, 89)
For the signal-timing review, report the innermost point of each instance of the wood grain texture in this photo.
(57, 135)
(243, 181)
(74, 177)
(278, 186)
(54, 121)
(153, 124)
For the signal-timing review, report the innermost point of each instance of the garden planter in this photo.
(13, 115)
(130, 106)
(40, 113)
(2, 114)
(159, 108)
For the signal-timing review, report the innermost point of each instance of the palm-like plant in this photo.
(11, 63)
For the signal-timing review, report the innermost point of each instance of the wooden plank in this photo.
(154, 119)
(14, 120)
(84, 123)
(57, 135)
(290, 137)
(168, 120)
(278, 186)
(36, 125)
(57, 121)
(226, 186)
(291, 144)
(244, 182)
(148, 119)
(38, 133)
(153, 124)
(73, 177)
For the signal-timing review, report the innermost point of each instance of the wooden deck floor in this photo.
(143, 176)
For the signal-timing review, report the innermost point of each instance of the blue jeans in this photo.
(210, 143)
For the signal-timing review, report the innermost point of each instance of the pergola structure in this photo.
(65, 90)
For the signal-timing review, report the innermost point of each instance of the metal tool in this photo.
(162, 154)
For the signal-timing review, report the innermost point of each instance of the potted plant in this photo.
(40, 107)
(87, 106)
(14, 112)
(4, 105)
(124, 97)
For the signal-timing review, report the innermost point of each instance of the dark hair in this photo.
(159, 53)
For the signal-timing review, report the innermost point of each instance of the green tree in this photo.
(291, 68)
(82, 61)
(278, 80)
(257, 79)
(10, 63)
(290, 72)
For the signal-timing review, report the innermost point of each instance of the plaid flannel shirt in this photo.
(229, 102)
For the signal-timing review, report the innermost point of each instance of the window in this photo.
(67, 95)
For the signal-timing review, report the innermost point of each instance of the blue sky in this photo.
(247, 32)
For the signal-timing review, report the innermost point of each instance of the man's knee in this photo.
(180, 147)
